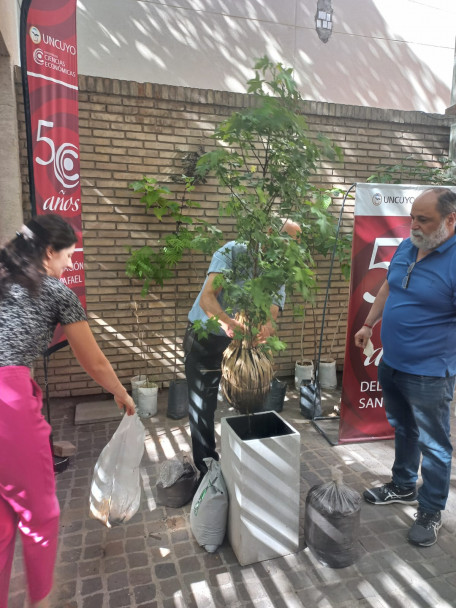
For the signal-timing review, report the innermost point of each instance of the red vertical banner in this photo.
(381, 222)
(50, 80)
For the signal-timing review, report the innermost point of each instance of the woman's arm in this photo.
(94, 362)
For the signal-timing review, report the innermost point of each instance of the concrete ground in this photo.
(153, 561)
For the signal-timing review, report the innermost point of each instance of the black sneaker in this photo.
(390, 492)
(426, 528)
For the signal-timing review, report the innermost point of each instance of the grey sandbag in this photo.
(177, 482)
(209, 511)
(331, 525)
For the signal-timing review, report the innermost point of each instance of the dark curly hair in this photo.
(21, 260)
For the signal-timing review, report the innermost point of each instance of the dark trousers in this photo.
(203, 359)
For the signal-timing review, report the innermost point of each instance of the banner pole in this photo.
(25, 91)
(328, 285)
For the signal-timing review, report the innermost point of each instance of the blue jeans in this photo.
(418, 408)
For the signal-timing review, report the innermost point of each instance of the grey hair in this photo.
(446, 200)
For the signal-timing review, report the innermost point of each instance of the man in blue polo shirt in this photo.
(417, 305)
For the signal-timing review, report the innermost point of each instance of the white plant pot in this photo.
(303, 371)
(262, 478)
(327, 374)
(147, 405)
(135, 382)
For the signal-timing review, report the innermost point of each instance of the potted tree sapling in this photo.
(265, 159)
(154, 264)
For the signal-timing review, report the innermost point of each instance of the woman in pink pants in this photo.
(32, 302)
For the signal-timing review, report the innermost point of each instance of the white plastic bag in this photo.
(209, 511)
(116, 491)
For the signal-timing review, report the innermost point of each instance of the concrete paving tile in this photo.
(189, 564)
(288, 600)
(93, 601)
(263, 602)
(65, 572)
(210, 560)
(169, 587)
(183, 549)
(145, 593)
(73, 540)
(73, 555)
(165, 570)
(337, 594)
(91, 585)
(371, 543)
(313, 597)
(137, 560)
(135, 544)
(89, 568)
(95, 537)
(118, 580)
(92, 552)
(440, 566)
(115, 564)
(140, 576)
(118, 599)
(178, 536)
(66, 590)
(368, 587)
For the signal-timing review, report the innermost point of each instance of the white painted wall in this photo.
(382, 53)
(10, 178)
(9, 30)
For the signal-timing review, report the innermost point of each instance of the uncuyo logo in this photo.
(377, 199)
(35, 34)
(38, 56)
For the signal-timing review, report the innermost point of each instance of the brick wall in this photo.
(128, 130)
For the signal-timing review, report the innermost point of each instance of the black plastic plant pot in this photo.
(61, 463)
(177, 400)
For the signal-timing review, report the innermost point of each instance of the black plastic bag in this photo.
(177, 482)
(177, 400)
(276, 396)
(309, 399)
(332, 520)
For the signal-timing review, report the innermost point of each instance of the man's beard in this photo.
(429, 241)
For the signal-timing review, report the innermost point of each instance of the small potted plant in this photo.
(144, 389)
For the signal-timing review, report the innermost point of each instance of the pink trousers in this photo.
(27, 486)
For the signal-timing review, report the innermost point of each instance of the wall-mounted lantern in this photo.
(323, 19)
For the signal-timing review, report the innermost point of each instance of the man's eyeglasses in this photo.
(406, 279)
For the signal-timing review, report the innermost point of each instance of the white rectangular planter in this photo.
(262, 475)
